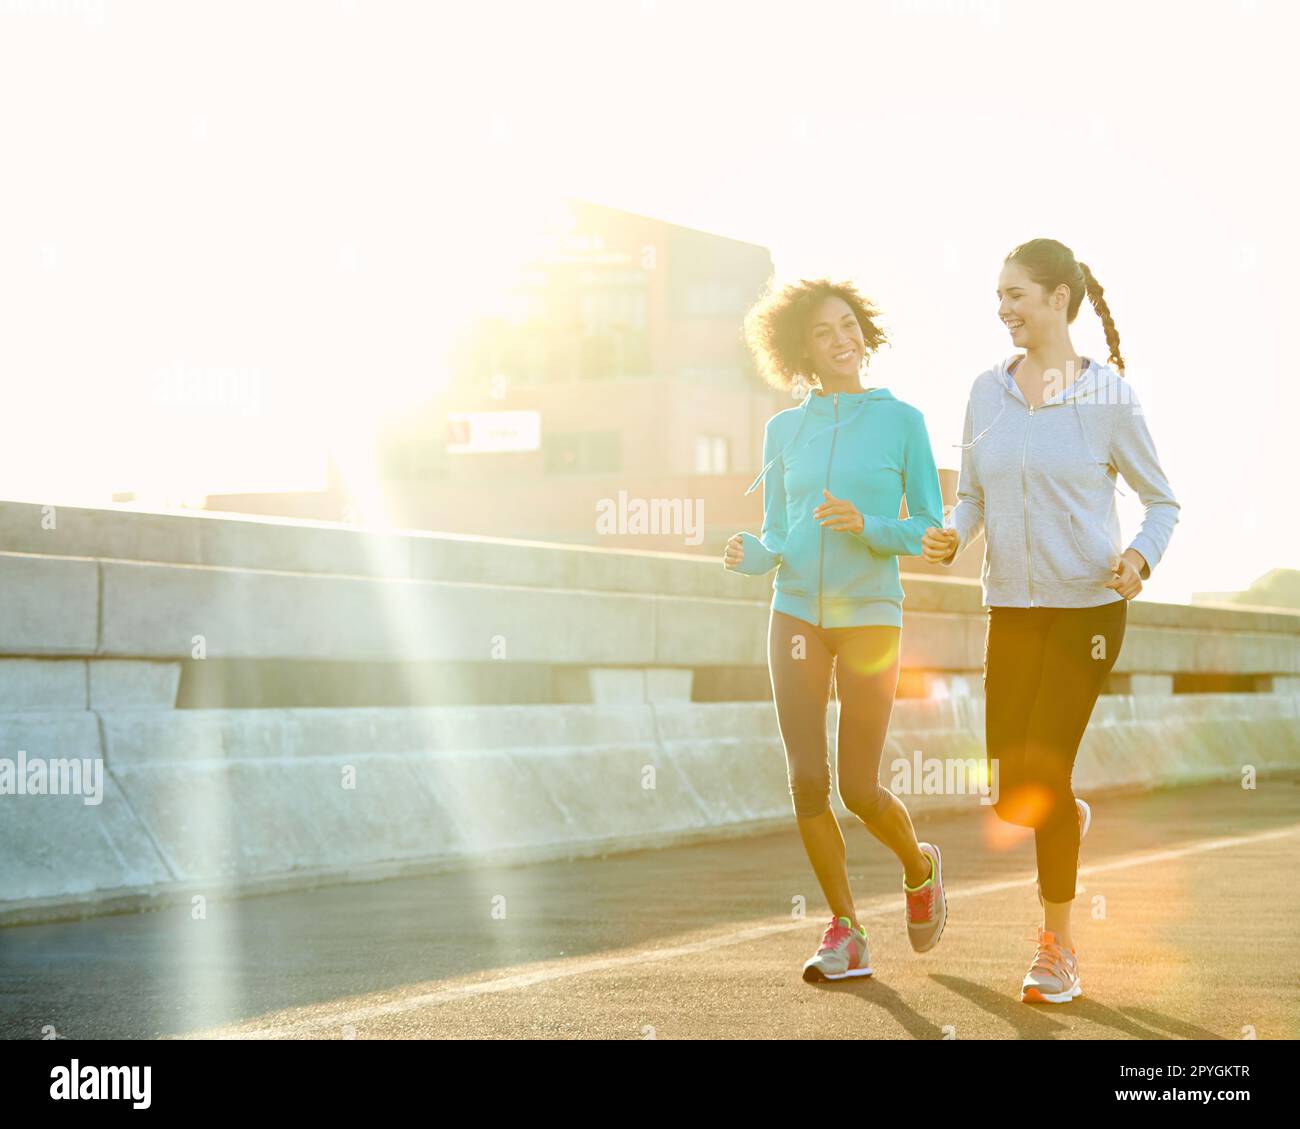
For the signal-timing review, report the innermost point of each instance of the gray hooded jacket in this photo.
(1040, 484)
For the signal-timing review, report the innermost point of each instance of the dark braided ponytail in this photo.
(1096, 295)
(1052, 264)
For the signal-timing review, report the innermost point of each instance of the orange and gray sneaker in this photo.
(927, 907)
(1084, 814)
(1053, 978)
(843, 953)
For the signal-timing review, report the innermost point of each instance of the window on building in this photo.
(711, 454)
(714, 297)
(622, 308)
(715, 376)
(583, 452)
(615, 352)
(411, 457)
(615, 339)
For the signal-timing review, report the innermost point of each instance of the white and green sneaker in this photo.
(927, 907)
(843, 953)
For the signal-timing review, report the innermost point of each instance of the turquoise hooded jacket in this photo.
(872, 450)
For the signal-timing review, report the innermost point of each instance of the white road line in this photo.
(564, 969)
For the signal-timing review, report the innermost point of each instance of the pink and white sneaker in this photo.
(1053, 978)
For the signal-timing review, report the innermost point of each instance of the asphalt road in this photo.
(1185, 926)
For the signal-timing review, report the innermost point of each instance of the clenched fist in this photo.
(1126, 577)
(937, 545)
(734, 553)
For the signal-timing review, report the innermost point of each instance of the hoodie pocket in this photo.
(797, 574)
(1056, 554)
(1093, 544)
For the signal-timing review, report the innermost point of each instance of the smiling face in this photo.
(834, 340)
(1031, 314)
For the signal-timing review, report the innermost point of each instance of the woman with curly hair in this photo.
(1052, 429)
(835, 471)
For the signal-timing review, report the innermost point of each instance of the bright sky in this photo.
(230, 224)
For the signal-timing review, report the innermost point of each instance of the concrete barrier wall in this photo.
(220, 802)
(105, 609)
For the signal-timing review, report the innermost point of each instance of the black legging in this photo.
(800, 657)
(1043, 670)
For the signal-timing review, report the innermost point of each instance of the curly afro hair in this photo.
(776, 326)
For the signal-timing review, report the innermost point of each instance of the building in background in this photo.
(612, 382)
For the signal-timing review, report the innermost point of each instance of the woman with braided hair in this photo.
(1046, 432)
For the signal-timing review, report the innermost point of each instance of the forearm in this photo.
(1152, 539)
(757, 558)
(1134, 455)
(898, 537)
(1138, 561)
(763, 553)
(967, 521)
(967, 517)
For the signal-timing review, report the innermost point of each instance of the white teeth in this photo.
(844, 356)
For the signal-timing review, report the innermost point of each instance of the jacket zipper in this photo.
(1024, 492)
(821, 564)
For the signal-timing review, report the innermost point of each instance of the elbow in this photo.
(1167, 513)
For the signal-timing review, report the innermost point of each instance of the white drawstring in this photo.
(1092, 459)
(968, 446)
(803, 416)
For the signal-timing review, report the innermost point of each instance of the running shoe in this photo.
(843, 953)
(1053, 978)
(927, 907)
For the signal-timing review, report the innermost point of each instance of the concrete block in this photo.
(49, 607)
(158, 610)
(663, 684)
(42, 684)
(115, 683)
(60, 846)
